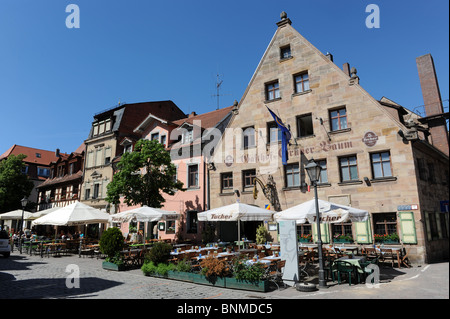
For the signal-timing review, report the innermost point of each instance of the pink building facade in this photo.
(183, 139)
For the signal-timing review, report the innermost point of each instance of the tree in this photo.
(143, 175)
(14, 184)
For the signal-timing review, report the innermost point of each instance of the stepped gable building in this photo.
(63, 187)
(186, 140)
(37, 164)
(375, 154)
(111, 134)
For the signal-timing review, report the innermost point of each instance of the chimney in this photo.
(433, 102)
(192, 114)
(57, 152)
(329, 56)
(346, 68)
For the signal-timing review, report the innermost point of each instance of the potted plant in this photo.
(262, 235)
(342, 238)
(391, 239)
(111, 243)
(305, 238)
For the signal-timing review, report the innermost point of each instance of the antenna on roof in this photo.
(219, 82)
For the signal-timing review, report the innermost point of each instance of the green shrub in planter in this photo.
(262, 235)
(183, 266)
(149, 269)
(111, 243)
(159, 253)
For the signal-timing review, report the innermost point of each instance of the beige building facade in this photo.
(374, 154)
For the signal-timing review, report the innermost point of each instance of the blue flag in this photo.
(285, 136)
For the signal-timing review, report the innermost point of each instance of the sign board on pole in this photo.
(288, 251)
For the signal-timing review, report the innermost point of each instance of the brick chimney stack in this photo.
(432, 100)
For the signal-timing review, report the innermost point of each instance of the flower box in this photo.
(304, 240)
(112, 266)
(390, 242)
(224, 282)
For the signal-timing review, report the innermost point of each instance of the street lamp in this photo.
(24, 202)
(313, 169)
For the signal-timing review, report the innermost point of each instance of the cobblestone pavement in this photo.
(24, 276)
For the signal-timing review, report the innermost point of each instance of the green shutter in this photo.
(408, 227)
(324, 232)
(362, 232)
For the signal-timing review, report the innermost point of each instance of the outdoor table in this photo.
(243, 242)
(309, 246)
(272, 258)
(261, 261)
(248, 250)
(355, 261)
(346, 249)
(56, 246)
(395, 250)
(179, 245)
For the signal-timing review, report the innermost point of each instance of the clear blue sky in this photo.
(54, 79)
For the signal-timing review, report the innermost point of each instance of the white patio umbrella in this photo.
(329, 213)
(43, 212)
(236, 212)
(16, 214)
(73, 214)
(144, 214)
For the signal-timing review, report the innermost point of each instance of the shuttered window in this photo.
(407, 227)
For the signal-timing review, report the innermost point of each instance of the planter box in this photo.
(261, 286)
(111, 266)
(304, 240)
(226, 282)
(391, 242)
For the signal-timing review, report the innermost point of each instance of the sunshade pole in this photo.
(239, 233)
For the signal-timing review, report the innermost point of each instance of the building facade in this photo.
(37, 165)
(375, 155)
(185, 139)
(63, 187)
(112, 134)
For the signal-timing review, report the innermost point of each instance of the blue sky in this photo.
(54, 79)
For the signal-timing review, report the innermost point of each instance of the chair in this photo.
(303, 264)
(370, 253)
(276, 274)
(366, 270)
(388, 255)
(328, 265)
(343, 267)
(405, 261)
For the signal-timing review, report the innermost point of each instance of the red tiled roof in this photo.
(134, 113)
(34, 155)
(60, 180)
(207, 120)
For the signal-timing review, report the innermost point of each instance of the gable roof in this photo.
(129, 116)
(34, 155)
(285, 24)
(206, 120)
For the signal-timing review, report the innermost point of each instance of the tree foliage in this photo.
(14, 185)
(143, 176)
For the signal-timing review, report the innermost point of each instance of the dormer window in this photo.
(101, 127)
